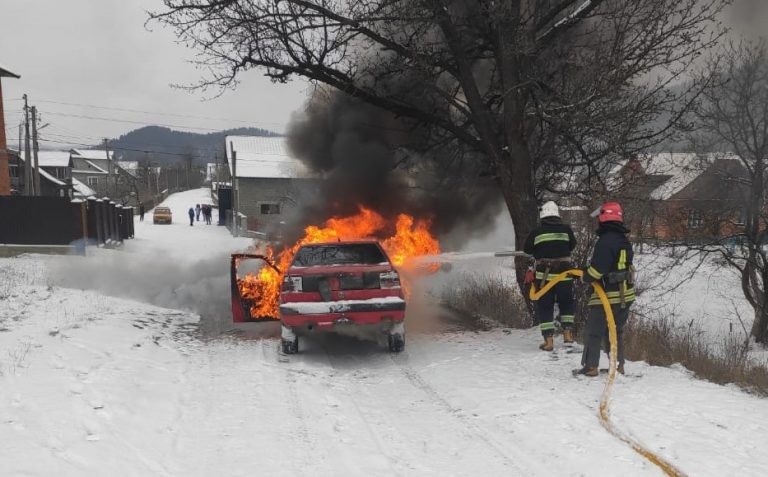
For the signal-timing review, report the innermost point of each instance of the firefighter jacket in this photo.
(552, 239)
(612, 264)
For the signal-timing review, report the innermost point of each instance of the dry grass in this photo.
(483, 302)
(660, 342)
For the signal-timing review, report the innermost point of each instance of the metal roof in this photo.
(6, 72)
(264, 157)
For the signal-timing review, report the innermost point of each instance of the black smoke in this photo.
(369, 157)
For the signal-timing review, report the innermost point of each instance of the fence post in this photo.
(103, 221)
(108, 235)
(131, 221)
(93, 220)
(84, 219)
(113, 221)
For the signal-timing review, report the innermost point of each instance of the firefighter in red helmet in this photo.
(611, 265)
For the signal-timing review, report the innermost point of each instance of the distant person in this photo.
(207, 213)
(197, 210)
(551, 244)
(141, 212)
(191, 216)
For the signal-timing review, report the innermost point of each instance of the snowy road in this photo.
(92, 384)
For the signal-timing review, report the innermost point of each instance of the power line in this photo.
(158, 113)
(121, 148)
(128, 121)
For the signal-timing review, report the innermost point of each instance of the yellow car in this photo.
(162, 215)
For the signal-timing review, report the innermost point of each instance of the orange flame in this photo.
(411, 238)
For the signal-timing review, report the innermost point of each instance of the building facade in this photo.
(271, 185)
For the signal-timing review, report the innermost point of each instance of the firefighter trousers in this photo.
(562, 294)
(596, 334)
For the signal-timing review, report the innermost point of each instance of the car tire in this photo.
(290, 347)
(396, 343)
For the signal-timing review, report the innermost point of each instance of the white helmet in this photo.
(549, 209)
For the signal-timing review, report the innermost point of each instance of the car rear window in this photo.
(343, 254)
(162, 209)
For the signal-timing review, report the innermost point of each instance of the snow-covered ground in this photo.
(104, 375)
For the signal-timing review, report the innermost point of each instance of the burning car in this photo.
(344, 287)
(338, 277)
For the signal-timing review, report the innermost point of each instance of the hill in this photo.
(165, 146)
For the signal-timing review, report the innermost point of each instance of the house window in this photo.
(742, 217)
(270, 209)
(93, 181)
(13, 170)
(695, 219)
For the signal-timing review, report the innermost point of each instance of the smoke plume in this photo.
(369, 157)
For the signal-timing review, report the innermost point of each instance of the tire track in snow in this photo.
(383, 449)
(471, 430)
(304, 442)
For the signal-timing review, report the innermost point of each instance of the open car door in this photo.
(242, 306)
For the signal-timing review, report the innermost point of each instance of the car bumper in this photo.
(339, 322)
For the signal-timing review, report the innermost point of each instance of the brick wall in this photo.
(5, 181)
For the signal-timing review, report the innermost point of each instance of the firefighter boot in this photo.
(620, 368)
(548, 344)
(568, 336)
(590, 372)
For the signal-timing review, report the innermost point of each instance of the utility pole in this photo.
(110, 172)
(28, 187)
(35, 148)
(216, 157)
(235, 195)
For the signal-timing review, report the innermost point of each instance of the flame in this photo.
(411, 238)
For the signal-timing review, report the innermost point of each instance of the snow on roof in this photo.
(92, 153)
(51, 178)
(263, 157)
(6, 72)
(681, 169)
(131, 167)
(53, 158)
(98, 169)
(82, 189)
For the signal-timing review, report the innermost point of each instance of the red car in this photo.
(343, 287)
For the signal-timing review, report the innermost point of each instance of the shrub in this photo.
(483, 302)
(660, 342)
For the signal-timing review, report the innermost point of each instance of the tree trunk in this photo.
(760, 325)
(518, 191)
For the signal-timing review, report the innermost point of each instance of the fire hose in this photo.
(534, 295)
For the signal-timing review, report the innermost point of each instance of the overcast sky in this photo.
(98, 52)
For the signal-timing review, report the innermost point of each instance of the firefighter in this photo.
(611, 264)
(551, 244)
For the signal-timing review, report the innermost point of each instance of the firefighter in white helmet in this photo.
(551, 244)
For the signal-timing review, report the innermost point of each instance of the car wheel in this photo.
(396, 343)
(290, 347)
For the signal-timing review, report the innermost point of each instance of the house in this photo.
(91, 168)
(271, 185)
(675, 196)
(55, 175)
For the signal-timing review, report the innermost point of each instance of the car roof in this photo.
(162, 208)
(342, 242)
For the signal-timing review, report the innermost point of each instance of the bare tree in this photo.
(733, 116)
(545, 92)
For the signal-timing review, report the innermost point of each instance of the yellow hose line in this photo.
(534, 295)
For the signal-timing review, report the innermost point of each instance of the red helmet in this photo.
(611, 212)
